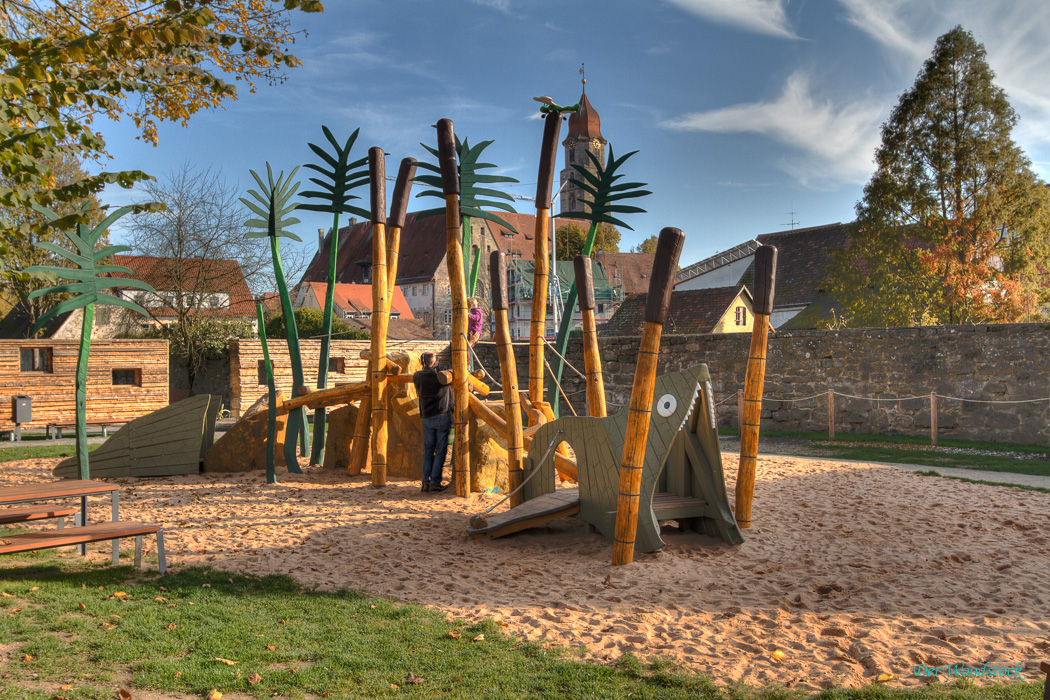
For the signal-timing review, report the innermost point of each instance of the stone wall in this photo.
(994, 363)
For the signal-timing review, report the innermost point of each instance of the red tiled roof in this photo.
(358, 297)
(690, 311)
(585, 124)
(520, 245)
(398, 328)
(192, 275)
(632, 270)
(803, 256)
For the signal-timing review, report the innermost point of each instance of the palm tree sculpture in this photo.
(338, 178)
(88, 279)
(273, 207)
(598, 210)
(471, 197)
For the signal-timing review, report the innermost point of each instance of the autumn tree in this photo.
(646, 246)
(953, 221)
(64, 63)
(572, 236)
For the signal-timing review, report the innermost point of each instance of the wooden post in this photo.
(380, 314)
(740, 411)
(661, 284)
(831, 415)
(359, 449)
(541, 259)
(933, 418)
(592, 359)
(754, 381)
(508, 371)
(398, 212)
(457, 280)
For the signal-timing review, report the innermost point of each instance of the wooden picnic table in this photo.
(67, 488)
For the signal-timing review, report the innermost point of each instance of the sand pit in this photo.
(851, 570)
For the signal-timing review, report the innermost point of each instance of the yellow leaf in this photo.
(120, 594)
(479, 638)
(171, 627)
(161, 599)
(26, 659)
(65, 687)
(214, 695)
(254, 678)
(271, 647)
(225, 661)
(35, 588)
(885, 678)
(6, 594)
(454, 634)
(778, 655)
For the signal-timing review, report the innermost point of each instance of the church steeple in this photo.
(584, 136)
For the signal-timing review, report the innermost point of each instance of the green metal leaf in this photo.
(110, 300)
(62, 308)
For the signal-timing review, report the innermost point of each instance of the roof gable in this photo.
(690, 311)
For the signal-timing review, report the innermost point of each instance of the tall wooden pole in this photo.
(396, 222)
(508, 374)
(457, 280)
(754, 382)
(541, 262)
(592, 359)
(380, 314)
(661, 284)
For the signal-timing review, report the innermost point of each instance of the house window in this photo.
(741, 316)
(426, 290)
(127, 377)
(36, 360)
(448, 316)
(413, 290)
(337, 364)
(261, 371)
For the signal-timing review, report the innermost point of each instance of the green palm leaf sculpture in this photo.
(473, 196)
(273, 205)
(88, 282)
(600, 207)
(338, 177)
(271, 393)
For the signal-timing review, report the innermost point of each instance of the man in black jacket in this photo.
(435, 407)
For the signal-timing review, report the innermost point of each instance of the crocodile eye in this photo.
(666, 405)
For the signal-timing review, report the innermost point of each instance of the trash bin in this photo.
(22, 408)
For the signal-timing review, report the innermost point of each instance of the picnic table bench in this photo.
(54, 429)
(83, 533)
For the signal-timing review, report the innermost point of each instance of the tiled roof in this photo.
(690, 311)
(192, 275)
(632, 270)
(803, 256)
(520, 245)
(358, 297)
(421, 250)
(585, 124)
(398, 328)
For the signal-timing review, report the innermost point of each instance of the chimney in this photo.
(320, 239)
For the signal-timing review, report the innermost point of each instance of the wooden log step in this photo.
(22, 515)
(98, 532)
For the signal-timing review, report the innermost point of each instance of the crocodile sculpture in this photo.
(682, 477)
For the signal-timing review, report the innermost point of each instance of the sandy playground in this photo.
(851, 571)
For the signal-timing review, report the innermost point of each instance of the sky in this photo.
(748, 116)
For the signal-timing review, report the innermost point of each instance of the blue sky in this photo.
(743, 111)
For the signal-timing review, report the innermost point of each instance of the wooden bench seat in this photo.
(89, 533)
(22, 515)
(54, 430)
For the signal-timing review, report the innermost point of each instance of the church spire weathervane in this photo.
(583, 78)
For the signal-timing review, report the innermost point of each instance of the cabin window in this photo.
(335, 364)
(261, 371)
(36, 360)
(741, 316)
(127, 377)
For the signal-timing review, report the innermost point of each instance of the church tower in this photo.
(585, 136)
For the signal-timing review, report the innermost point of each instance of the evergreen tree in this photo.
(953, 220)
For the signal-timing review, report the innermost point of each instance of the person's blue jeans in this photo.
(435, 446)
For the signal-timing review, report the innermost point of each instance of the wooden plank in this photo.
(20, 515)
(54, 489)
(560, 503)
(47, 539)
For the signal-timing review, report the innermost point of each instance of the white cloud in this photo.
(836, 142)
(501, 5)
(760, 16)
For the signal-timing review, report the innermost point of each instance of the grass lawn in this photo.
(15, 451)
(900, 449)
(80, 631)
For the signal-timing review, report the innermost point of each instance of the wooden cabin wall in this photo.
(52, 392)
(246, 354)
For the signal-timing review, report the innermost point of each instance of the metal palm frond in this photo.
(339, 176)
(604, 192)
(273, 207)
(472, 195)
(86, 279)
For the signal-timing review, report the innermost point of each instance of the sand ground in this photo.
(850, 570)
